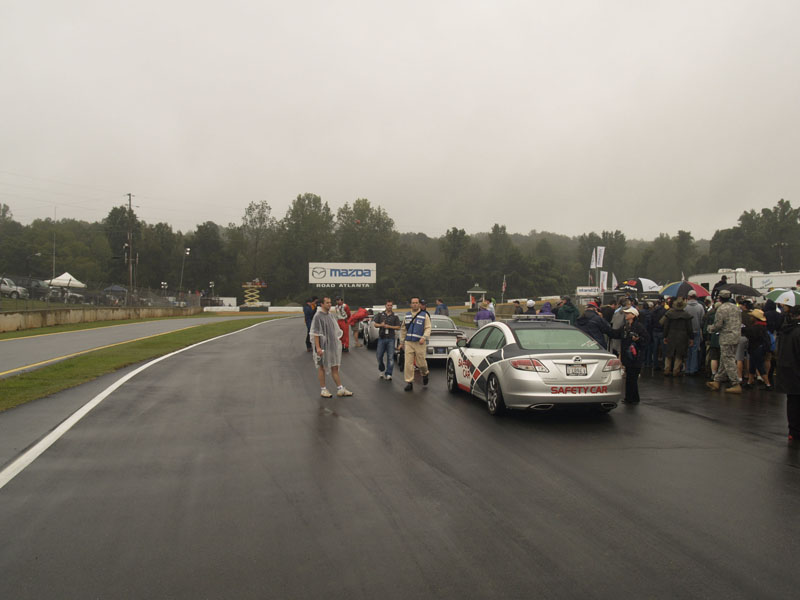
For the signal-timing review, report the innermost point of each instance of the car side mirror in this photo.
(461, 342)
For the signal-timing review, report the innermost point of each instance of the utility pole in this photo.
(54, 243)
(130, 248)
(780, 246)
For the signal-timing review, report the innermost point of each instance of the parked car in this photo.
(37, 289)
(11, 289)
(535, 363)
(444, 338)
(65, 295)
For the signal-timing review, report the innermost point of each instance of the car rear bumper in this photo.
(525, 393)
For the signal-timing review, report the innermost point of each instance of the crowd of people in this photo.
(733, 342)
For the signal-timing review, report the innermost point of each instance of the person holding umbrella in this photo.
(678, 336)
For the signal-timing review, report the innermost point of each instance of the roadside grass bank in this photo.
(72, 372)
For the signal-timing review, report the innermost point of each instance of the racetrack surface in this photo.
(18, 355)
(220, 473)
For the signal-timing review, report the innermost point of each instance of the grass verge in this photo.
(72, 372)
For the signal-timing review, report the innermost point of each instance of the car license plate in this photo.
(440, 350)
(576, 369)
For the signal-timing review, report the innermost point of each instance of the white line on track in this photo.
(35, 451)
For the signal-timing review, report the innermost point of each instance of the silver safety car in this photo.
(535, 362)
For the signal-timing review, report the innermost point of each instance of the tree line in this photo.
(278, 250)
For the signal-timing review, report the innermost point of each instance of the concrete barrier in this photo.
(31, 319)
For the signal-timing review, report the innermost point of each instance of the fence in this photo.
(25, 293)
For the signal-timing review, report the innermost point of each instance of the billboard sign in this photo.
(342, 274)
(586, 290)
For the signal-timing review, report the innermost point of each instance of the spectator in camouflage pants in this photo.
(728, 322)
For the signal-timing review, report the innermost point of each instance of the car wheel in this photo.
(452, 381)
(494, 397)
(14, 295)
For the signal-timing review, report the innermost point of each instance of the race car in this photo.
(535, 362)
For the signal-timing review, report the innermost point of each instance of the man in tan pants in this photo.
(414, 334)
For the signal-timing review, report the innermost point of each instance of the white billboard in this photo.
(342, 274)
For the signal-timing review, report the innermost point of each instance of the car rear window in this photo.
(555, 339)
(442, 323)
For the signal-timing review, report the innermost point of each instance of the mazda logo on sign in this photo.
(576, 359)
(318, 272)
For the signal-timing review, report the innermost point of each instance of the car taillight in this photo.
(612, 365)
(529, 364)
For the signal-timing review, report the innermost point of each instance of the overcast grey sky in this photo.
(568, 116)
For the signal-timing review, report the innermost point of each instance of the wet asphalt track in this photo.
(18, 353)
(220, 473)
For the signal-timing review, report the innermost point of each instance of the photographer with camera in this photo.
(633, 348)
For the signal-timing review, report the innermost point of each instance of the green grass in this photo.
(72, 372)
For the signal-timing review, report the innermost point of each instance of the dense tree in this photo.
(539, 263)
(306, 234)
(258, 238)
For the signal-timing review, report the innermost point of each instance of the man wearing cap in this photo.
(593, 325)
(696, 310)
(530, 307)
(567, 311)
(414, 333)
(632, 353)
(728, 322)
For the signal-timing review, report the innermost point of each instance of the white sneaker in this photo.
(388, 378)
(381, 376)
(325, 393)
(344, 392)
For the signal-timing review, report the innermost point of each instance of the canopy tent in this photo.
(65, 280)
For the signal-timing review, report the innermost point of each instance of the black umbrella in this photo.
(740, 289)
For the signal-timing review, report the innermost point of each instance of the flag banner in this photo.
(603, 281)
(614, 281)
(504, 284)
(601, 253)
(593, 264)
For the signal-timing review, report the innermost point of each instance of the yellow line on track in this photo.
(51, 360)
(28, 337)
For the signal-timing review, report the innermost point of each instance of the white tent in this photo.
(65, 280)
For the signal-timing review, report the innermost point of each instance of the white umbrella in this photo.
(788, 297)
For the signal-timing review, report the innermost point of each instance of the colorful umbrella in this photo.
(639, 284)
(681, 288)
(788, 297)
(740, 289)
